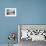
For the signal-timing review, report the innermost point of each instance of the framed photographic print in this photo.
(10, 11)
(33, 32)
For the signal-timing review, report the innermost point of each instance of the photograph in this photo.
(28, 34)
(10, 11)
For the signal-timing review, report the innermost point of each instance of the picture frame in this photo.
(39, 35)
(10, 12)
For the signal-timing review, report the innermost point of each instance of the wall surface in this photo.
(28, 12)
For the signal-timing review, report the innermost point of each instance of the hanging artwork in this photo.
(10, 11)
(32, 32)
